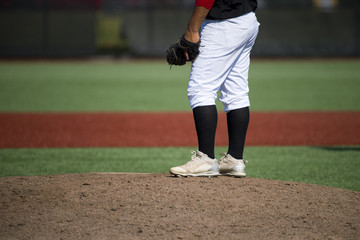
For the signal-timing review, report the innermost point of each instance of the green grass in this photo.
(329, 166)
(279, 85)
(81, 86)
(305, 85)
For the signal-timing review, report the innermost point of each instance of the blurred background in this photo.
(145, 28)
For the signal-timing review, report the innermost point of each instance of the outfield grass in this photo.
(286, 85)
(305, 85)
(330, 166)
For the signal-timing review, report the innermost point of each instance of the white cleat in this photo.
(230, 166)
(200, 165)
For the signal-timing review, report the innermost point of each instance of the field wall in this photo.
(283, 32)
(148, 31)
(54, 33)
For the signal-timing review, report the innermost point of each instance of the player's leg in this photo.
(208, 72)
(237, 121)
(203, 162)
(236, 105)
(235, 89)
(205, 118)
(236, 102)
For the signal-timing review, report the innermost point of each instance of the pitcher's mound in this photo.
(157, 206)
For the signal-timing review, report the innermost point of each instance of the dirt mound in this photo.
(157, 206)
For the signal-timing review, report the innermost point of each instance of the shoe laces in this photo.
(194, 158)
(224, 158)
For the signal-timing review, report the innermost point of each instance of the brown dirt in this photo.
(157, 206)
(172, 129)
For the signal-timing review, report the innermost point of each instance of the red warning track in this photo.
(38, 130)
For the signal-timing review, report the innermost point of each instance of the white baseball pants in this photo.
(223, 62)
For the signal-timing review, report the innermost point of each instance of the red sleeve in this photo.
(205, 3)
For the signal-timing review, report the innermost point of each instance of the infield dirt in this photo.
(158, 206)
(34, 130)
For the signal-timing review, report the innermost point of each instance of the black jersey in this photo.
(224, 9)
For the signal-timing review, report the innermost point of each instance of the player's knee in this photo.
(236, 103)
(201, 99)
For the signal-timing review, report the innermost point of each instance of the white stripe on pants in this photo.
(223, 62)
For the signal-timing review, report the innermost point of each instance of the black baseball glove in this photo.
(175, 55)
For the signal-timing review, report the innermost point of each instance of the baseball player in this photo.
(228, 29)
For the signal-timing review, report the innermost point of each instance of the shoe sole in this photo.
(239, 175)
(209, 174)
